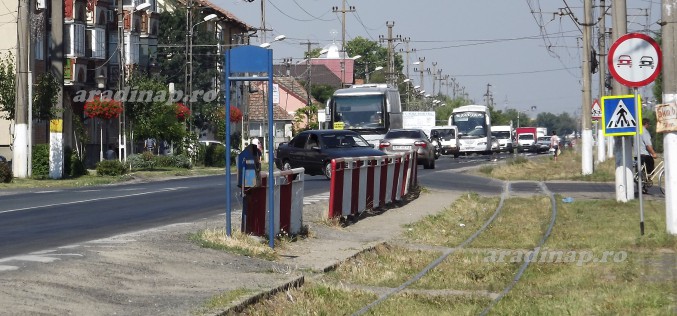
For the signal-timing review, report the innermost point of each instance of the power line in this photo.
(517, 73)
(314, 17)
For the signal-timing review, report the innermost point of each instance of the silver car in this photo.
(403, 140)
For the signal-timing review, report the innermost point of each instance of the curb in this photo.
(240, 306)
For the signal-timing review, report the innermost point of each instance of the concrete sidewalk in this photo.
(160, 271)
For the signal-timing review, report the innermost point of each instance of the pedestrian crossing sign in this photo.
(621, 115)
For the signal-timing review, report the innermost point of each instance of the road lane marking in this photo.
(51, 191)
(90, 200)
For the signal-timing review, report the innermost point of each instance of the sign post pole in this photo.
(640, 167)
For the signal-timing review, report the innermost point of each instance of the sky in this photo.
(529, 55)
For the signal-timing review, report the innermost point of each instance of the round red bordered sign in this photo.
(635, 60)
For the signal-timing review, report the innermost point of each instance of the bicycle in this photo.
(648, 179)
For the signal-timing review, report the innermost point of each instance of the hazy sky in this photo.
(478, 42)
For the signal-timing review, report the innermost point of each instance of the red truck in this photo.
(526, 139)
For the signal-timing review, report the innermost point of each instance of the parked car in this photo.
(543, 144)
(447, 137)
(314, 150)
(402, 140)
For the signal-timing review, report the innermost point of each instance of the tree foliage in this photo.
(373, 55)
(45, 96)
(157, 118)
(7, 87)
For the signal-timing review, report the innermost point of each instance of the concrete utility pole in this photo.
(406, 50)
(434, 73)
(421, 69)
(57, 62)
(487, 96)
(343, 10)
(586, 153)
(601, 144)
(20, 153)
(625, 186)
(188, 75)
(390, 76)
(308, 70)
(669, 48)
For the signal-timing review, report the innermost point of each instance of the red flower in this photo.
(235, 114)
(182, 112)
(103, 108)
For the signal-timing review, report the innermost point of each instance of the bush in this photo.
(181, 161)
(141, 161)
(40, 161)
(77, 166)
(215, 156)
(5, 173)
(164, 161)
(110, 168)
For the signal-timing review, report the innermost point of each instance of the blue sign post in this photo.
(621, 115)
(251, 63)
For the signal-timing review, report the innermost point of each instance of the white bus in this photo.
(370, 109)
(474, 128)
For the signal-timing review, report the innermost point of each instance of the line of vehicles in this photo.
(367, 120)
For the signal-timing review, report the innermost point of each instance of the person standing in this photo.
(110, 153)
(554, 143)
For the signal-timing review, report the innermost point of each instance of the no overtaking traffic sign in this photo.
(635, 60)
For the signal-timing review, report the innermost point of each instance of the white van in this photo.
(504, 135)
(446, 139)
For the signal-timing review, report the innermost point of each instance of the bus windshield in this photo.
(364, 112)
(470, 124)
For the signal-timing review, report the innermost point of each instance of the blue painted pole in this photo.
(227, 142)
(271, 157)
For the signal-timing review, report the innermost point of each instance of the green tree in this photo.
(322, 92)
(373, 55)
(7, 87)
(172, 60)
(314, 53)
(45, 95)
(156, 118)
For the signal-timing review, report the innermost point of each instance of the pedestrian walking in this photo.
(554, 143)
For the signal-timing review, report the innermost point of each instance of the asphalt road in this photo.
(38, 219)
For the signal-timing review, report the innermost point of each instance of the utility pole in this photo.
(343, 10)
(390, 76)
(308, 69)
(57, 62)
(263, 21)
(625, 186)
(487, 96)
(188, 75)
(122, 135)
(669, 48)
(20, 153)
(439, 78)
(586, 133)
(406, 50)
(421, 69)
(434, 73)
(601, 144)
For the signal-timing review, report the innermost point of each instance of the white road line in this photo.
(90, 200)
(8, 268)
(89, 191)
(52, 191)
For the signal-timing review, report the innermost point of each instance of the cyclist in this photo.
(646, 151)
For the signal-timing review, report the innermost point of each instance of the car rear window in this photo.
(403, 134)
(446, 132)
(343, 140)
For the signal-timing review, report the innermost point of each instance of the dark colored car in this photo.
(403, 140)
(314, 150)
(543, 143)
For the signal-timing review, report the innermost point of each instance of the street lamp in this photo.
(190, 64)
(101, 83)
(366, 74)
(276, 39)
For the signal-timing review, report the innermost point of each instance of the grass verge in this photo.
(545, 168)
(239, 243)
(222, 301)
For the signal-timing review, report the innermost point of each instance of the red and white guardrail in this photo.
(288, 213)
(362, 183)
